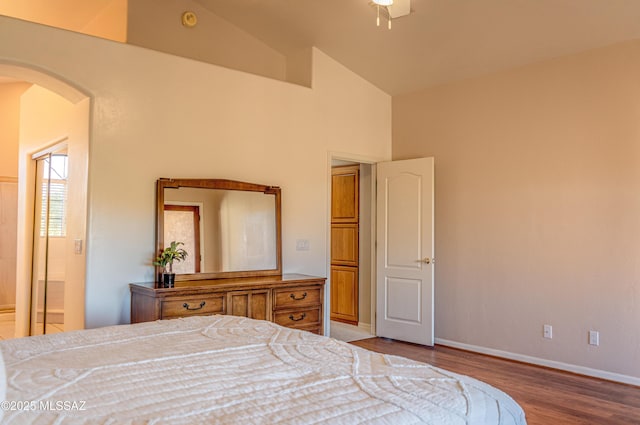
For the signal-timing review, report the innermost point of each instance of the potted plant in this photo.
(165, 260)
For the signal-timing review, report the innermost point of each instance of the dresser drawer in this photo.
(297, 318)
(192, 306)
(296, 297)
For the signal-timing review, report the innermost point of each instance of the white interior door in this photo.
(405, 253)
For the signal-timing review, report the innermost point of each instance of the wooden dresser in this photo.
(291, 300)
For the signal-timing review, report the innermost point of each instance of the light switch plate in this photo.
(77, 246)
(302, 245)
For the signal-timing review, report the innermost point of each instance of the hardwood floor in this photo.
(548, 396)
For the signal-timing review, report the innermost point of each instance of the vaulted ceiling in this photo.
(438, 42)
(441, 40)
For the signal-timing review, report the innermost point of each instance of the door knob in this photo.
(426, 260)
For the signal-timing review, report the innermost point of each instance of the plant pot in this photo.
(168, 280)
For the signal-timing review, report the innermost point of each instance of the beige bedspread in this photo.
(232, 370)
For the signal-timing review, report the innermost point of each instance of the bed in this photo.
(231, 370)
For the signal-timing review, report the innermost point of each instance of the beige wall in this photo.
(110, 22)
(158, 25)
(537, 206)
(9, 126)
(100, 18)
(47, 119)
(8, 235)
(9, 133)
(156, 115)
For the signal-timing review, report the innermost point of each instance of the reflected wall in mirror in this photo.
(229, 228)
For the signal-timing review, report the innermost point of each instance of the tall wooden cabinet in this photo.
(345, 193)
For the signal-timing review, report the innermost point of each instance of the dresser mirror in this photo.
(229, 228)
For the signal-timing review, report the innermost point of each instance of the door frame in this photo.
(360, 159)
(201, 227)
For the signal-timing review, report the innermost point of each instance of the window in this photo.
(54, 187)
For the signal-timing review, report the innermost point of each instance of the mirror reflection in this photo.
(223, 230)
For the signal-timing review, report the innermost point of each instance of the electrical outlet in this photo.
(547, 331)
(594, 338)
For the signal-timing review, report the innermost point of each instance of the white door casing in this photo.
(405, 250)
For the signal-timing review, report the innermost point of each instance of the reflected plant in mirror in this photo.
(172, 253)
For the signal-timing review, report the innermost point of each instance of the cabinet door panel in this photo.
(345, 194)
(260, 308)
(344, 294)
(238, 303)
(344, 244)
(253, 304)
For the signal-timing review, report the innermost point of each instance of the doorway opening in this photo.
(48, 114)
(401, 249)
(351, 301)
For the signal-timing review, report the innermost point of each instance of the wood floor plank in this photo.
(548, 396)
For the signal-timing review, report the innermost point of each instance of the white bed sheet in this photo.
(232, 370)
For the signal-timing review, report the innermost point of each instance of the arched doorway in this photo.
(50, 111)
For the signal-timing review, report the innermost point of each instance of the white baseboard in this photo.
(581, 370)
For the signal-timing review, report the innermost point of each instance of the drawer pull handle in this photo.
(293, 297)
(298, 319)
(186, 306)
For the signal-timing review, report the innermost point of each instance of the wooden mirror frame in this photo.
(164, 183)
